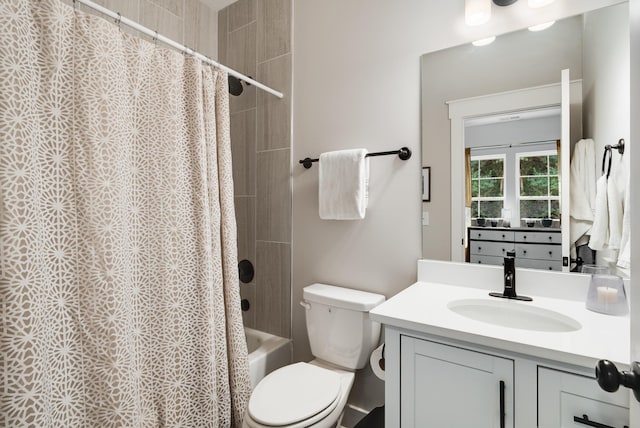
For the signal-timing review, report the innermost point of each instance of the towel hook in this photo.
(619, 146)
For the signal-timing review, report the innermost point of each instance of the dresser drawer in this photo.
(491, 235)
(555, 265)
(490, 248)
(538, 251)
(486, 260)
(571, 400)
(539, 237)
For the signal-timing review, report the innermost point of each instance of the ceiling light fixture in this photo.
(484, 42)
(477, 12)
(541, 27)
(539, 3)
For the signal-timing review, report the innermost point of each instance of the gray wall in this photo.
(255, 39)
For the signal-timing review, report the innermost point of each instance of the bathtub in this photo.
(266, 353)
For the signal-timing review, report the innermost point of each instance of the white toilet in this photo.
(342, 337)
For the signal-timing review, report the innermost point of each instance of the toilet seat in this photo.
(300, 393)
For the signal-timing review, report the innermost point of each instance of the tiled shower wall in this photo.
(254, 38)
(189, 22)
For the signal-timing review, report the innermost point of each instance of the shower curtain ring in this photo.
(155, 38)
(118, 19)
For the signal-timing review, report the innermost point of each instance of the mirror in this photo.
(594, 48)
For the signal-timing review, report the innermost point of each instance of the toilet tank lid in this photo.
(340, 297)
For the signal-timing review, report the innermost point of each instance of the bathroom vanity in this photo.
(456, 357)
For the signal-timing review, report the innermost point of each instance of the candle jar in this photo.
(606, 295)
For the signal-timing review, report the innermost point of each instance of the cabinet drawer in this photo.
(539, 237)
(491, 235)
(538, 251)
(487, 260)
(569, 400)
(555, 265)
(490, 248)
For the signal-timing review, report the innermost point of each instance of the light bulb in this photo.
(477, 12)
(539, 3)
(484, 42)
(541, 27)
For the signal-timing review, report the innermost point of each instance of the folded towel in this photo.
(343, 184)
(600, 229)
(583, 192)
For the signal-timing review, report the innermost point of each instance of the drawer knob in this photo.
(524, 251)
(503, 235)
(524, 237)
(610, 379)
(550, 238)
(550, 253)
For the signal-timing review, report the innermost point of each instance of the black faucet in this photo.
(510, 280)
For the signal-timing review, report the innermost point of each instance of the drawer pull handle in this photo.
(585, 420)
(502, 406)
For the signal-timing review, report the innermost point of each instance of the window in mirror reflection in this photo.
(538, 185)
(487, 185)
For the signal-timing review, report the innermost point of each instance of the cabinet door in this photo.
(446, 386)
(568, 400)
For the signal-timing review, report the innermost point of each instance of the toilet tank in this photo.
(338, 324)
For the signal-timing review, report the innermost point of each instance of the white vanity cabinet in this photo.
(446, 386)
(570, 400)
(439, 382)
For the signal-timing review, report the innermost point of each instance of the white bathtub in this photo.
(266, 353)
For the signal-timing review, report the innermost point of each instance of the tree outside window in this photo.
(538, 185)
(487, 186)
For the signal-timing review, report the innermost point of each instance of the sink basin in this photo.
(512, 314)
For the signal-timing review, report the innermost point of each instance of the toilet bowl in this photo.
(314, 394)
(300, 395)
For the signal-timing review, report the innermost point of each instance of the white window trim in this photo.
(504, 178)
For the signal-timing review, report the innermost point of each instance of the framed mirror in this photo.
(522, 193)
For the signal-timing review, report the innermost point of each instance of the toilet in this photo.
(314, 394)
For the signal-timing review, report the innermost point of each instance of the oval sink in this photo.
(508, 313)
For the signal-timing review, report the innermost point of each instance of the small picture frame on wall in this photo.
(426, 184)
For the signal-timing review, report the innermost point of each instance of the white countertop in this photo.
(423, 307)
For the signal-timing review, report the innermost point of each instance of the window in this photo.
(487, 186)
(538, 184)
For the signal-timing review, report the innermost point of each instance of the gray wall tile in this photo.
(160, 19)
(274, 28)
(127, 8)
(201, 31)
(243, 151)
(273, 196)
(241, 13)
(223, 35)
(273, 287)
(176, 7)
(274, 114)
(248, 291)
(246, 221)
(241, 56)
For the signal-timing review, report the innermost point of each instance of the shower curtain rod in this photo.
(122, 20)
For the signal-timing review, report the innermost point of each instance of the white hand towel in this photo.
(343, 184)
(624, 256)
(615, 202)
(583, 191)
(600, 228)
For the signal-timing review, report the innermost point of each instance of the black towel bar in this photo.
(404, 154)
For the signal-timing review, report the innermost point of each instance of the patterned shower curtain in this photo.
(118, 286)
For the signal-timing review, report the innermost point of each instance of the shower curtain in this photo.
(118, 286)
